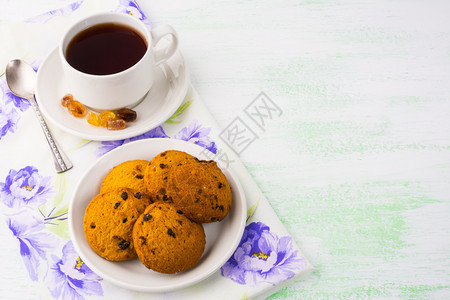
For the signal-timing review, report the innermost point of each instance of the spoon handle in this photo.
(62, 162)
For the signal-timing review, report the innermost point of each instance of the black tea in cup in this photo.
(106, 48)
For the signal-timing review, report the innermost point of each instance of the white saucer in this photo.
(166, 95)
(222, 238)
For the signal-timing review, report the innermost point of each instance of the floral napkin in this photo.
(34, 199)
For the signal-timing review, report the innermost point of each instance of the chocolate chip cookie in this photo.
(166, 241)
(196, 187)
(109, 219)
(128, 174)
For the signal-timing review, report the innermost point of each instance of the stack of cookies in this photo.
(154, 210)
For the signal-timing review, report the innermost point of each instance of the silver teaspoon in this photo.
(21, 79)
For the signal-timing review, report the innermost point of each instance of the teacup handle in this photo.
(161, 54)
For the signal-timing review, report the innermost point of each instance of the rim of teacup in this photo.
(85, 23)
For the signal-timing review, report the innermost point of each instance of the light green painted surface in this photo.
(358, 165)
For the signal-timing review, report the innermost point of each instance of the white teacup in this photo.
(125, 88)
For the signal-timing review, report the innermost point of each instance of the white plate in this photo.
(167, 93)
(222, 238)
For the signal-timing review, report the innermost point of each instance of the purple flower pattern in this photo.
(8, 120)
(25, 187)
(10, 108)
(34, 241)
(20, 103)
(69, 277)
(107, 146)
(262, 257)
(197, 134)
(63, 11)
(193, 133)
(132, 8)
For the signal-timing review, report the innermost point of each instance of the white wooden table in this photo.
(357, 166)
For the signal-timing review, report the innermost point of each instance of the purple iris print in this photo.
(195, 133)
(21, 103)
(132, 8)
(262, 257)
(107, 146)
(8, 120)
(25, 187)
(68, 277)
(33, 239)
(63, 11)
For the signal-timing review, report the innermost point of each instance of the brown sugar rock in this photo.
(128, 174)
(108, 222)
(166, 241)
